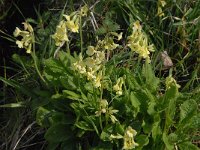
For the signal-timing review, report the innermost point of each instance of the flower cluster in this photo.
(161, 4)
(91, 66)
(129, 142)
(108, 43)
(108, 111)
(138, 42)
(170, 81)
(27, 37)
(118, 86)
(71, 23)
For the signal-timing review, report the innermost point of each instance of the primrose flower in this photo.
(109, 44)
(119, 36)
(108, 111)
(27, 27)
(129, 142)
(17, 32)
(90, 50)
(103, 107)
(91, 74)
(84, 10)
(111, 113)
(170, 81)
(61, 34)
(138, 42)
(90, 62)
(80, 66)
(71, 24)
(118, 86)
(100, 57)
(161, 4)
(27, 37)
(97, 80)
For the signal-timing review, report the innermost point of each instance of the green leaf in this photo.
(58, 133)
(106, 133)
(71, 95)
(156, 131)
(168, 145)
(52, 146)
(69, 145)
(187, 110)
(42, 117)
(152, 81)
(54, 65)
(142, 140)
(187, 146)
(135, 103)
(84, 125)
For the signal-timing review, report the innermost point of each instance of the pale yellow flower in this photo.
(111, 113)
(27, 37)
(100, 57)
(129, 142)
(80, 67)
(91, 74)
(118, 86)
(97, 80)
(19, 44)
(90, 50)
(27, 26)
(90, 62)
(84, 10)
(67, 17)
(138, 42)
(170, 81)
(61, 34)
(72, 26)
(17, 32)
(161, 4)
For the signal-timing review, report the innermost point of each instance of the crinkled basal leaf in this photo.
(135, 103)
(168, 145)
(54, 65)
(142, 140)
(152, 81)
(187, 110)
(42, 117)
(58, 133)
(187, 146)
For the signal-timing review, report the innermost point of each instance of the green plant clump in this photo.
(104, 94)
